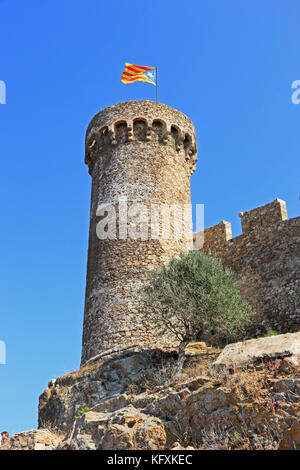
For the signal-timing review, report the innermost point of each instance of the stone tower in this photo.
(143, 153)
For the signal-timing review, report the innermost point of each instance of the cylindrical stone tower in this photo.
(140, 155)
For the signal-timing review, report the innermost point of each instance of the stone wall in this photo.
(267, 257)
(144, 152)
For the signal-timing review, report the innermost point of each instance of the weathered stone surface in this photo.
(123, 429)
(178, 446)
(260, 405)
(37, 439)
(158, 419)
(291, 438)
(188, 410)
(253, 350)
(193, 349)
(5, 445)
(97, 382)
(266, 257)
(144, 152)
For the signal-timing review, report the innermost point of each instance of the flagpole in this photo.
(156, 85)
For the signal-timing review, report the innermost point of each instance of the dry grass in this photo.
(198, 365)
(252, 387)
(217, 438)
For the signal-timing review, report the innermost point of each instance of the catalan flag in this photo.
(134, 73)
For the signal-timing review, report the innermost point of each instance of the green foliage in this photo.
(235, 437)
(82, 412)
(272, 333)
(193, 295)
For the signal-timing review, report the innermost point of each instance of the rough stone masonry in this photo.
(266, 257)
(144, 152)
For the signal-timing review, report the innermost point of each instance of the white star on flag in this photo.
(152, 75)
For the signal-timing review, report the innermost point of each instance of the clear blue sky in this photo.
(227, 64)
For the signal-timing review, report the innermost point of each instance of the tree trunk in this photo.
(181, 356)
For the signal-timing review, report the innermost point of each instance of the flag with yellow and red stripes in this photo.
(135, 73)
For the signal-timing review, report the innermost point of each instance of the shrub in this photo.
(271, 333)
(81, 412)
(192, 295)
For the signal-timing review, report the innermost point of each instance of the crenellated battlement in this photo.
(264, 216)
(254, 222)
(141, 121)
(266, 257)
(215, 237)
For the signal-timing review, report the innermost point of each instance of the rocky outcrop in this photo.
(132, 400)
(291, 438)
(101, 379)
(257, 350)
(123, 429)
(262, 410)
(36, 439)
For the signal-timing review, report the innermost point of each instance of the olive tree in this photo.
(190, 296)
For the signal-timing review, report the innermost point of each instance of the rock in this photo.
(244, 353)
(38, 439)
(39, 446)
(289, 364)
(95, 383)
(117, 437)
(5, 445)
(123, 429)
(291, 438)
(193, 349)
(196, 411)
(200, 411)
(177, 446)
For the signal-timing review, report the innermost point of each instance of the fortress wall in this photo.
(261, 218)
(266, 257)
(145, 152)
(216, 237)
